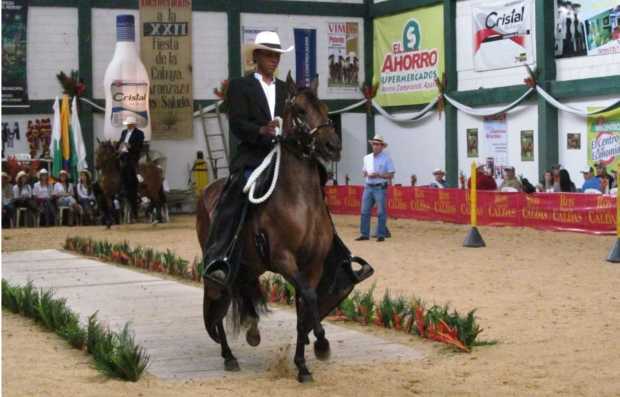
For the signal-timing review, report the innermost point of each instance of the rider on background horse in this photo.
(129, 147)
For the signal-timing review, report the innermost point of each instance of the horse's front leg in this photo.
(312, 319)
(304, 374)
(230, 361)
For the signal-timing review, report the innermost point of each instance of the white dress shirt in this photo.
(42, 192)
(129, 132)
(270, 92)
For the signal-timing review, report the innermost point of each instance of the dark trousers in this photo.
(8, 215)
(228, 217)
(47, 211)
(129, 180)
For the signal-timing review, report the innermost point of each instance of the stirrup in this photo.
(221, 264)
(363, 273)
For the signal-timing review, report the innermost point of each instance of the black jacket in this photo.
(136, 141)
(248, 111)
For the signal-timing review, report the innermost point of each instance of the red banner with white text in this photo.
(579, 212)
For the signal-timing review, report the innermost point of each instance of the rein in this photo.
(308, 150)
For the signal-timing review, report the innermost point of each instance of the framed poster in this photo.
(472, 142)
(573, 141)
(527, 145)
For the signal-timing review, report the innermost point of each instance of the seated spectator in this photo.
(566, 185)
(440, 181)
(42, 193)
(510, 180)
(546, 185)
(485, 180)
(86, 197)
(64, 195)
(607, 181)
(590, 180)
(8, 207)
(414, 179)
(22, 195)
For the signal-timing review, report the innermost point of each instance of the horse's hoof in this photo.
(252, 336)
(305, 377)
(231, 365)
(321, 349)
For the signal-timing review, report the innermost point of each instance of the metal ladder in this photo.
(217, 148)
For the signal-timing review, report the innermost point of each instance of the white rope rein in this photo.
(250, 185)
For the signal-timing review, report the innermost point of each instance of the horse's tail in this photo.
(249, 301)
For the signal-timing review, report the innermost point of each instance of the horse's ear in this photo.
(314, 85)
(291, 87)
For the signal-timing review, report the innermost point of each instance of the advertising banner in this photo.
(496, 137)
(604, 138)
(527, 145)
(408, 56)
(587, 27)
(166, 50)
(14, 39)
(579, 212)
(343, 57)
(502, 34)
(305, 56)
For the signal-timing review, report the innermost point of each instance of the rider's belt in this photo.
(379, 185)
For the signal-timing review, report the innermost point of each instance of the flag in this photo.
(65, 139)
(55, 150)
(78, 150)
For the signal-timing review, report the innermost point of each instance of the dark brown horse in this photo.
(108, 165)
(299, 233)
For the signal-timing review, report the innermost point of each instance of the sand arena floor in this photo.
(548, 298)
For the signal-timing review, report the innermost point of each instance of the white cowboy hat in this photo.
(42, 171)
(378, 139)
(129, 120)
(438, 171)
(266, 40)
(63, 172)
(88, 174)
(20, 174)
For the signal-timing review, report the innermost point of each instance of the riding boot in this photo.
(222, 251)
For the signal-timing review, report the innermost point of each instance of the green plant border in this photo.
(412, 316)
(115, 353)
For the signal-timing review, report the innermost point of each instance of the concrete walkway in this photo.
(166, 317)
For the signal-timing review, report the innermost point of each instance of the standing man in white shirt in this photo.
(378, 170)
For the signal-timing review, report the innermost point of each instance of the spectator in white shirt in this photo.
(22, 194)
(42, 192)
(64, 194)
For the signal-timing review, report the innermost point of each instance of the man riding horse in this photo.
(254, 102)
(129, 147)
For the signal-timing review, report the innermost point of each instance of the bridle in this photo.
(302, 128)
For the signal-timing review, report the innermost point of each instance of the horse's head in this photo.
(304, 114)
(106, 154)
